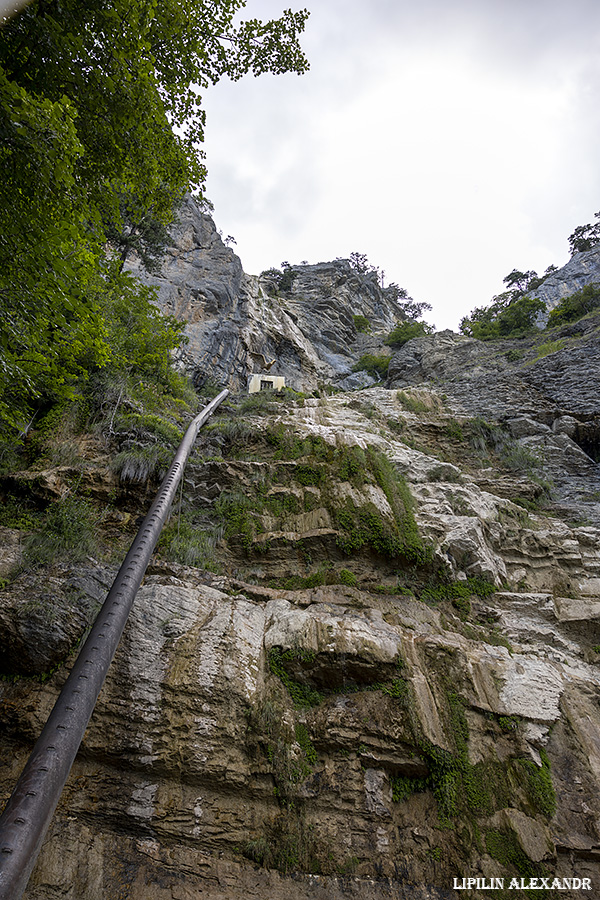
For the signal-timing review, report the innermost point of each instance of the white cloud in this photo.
(449, 142)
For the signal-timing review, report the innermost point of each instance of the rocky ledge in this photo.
(393, 680)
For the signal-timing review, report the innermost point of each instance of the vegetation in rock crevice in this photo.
(575, 306)
(365, 526)
(466, 794)
(373, 364)
(190, 542)
(290, 842)
(464, 790)
(67, 534)
(289, 845)
(301, 693)
(314, 471)
(362, 324)
(406, 331)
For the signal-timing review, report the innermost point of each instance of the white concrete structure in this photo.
(265, 383)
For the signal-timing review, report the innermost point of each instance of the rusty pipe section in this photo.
(29, 811)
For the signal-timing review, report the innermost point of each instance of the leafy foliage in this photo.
(405, 331)
(469, 790)
(376, 365)
(362, 324)
(509, 315)
(364, 526)
(505, 847)
(585, 236)
(575, 305)
(512, 314)
(458, 592)
(302, 693)
(279, 280)
(411, 310)
(520, 282)
(100, 129)
(539, 785)
(67, 533)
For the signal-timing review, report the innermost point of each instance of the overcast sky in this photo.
(449, 140)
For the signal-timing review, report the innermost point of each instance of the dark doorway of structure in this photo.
(587, 435)
(266, 385)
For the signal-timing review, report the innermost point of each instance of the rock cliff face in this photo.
(582, 268)
(544, 394)
(238, 323)
(388, 676)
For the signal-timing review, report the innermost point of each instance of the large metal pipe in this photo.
(29, 811)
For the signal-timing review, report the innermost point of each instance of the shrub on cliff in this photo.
(376, 365)
(362, 324)
(575, 306)
(509, 316)
(405, 331)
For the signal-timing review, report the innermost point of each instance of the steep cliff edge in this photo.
(583, 268)
(237, 323)
(382, 670)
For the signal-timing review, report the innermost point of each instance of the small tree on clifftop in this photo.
(585, 237)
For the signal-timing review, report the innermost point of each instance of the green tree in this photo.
(376, 365)
(405, 331)
(511, 314)
(137, 229)
(520, 282)
(101, 124)
(411, 310)
(508, 315)
(585, 237)
(520, 316)
(575, 305)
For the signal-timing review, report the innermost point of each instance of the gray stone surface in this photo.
(550, 404)
(43, 617)
(237, 325)
(197, 760)
(581, 269)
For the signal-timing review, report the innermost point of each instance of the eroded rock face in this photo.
(379, 741)
(238, 324)
(42, 618)
(428, 708)
(550, 404)
(581, 269)
(500, 379)
(193, 732)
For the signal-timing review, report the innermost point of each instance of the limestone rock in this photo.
(239, 324)
(11, 550)
(261, 737)
(548, 404)
(533, 838)
(581, 269)
(42, 618)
